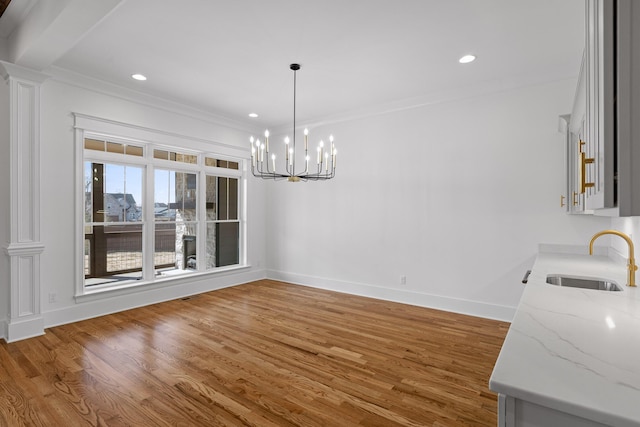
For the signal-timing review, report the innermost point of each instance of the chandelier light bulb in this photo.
(306, 131)
(286, 140)
(266, 133)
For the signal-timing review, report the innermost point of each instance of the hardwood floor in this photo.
(262, 354)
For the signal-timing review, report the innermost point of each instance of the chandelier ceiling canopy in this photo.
(263, 157)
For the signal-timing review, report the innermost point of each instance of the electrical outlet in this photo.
(52, 297)
(403, 280)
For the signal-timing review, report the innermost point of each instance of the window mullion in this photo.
(202, 221)
(149, 226)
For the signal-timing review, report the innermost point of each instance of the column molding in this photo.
(25, 246)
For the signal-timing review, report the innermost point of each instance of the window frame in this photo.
(94, 128)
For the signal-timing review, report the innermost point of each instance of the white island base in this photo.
(514, 412)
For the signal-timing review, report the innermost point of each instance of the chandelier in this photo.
(263, 160)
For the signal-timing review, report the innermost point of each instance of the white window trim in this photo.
(98, 128)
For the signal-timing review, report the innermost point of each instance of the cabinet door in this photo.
(600, 91)
(577, 196)
(576, 135)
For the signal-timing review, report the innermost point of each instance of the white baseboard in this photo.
(472, 308)
(29, 327)
(99, 307)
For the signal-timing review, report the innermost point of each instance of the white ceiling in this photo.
(231, 57)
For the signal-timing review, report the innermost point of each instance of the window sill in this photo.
(135, 286)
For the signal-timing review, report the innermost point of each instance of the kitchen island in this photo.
(571, 356)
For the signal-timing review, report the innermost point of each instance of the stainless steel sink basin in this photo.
(583, 282)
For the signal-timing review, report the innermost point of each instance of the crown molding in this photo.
(105, 88)
(483, 88)
(8, 69)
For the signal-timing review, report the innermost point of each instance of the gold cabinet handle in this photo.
(582, 171)
(575, 198)
(562, 204)
(584, 161)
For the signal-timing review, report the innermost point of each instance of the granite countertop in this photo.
(575, 350)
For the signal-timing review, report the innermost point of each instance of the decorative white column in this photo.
(24, 248)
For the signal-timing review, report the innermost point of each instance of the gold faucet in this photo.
(631, 263)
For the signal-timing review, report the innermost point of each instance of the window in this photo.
(223, 225)
(113, 147)
(113, 222)
(210, 161)
(175, 156)
(175, 219)
(154, 212)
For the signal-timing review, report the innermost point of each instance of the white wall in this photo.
(455, 196)
(59, 100)
(4, 206)
(630, 226)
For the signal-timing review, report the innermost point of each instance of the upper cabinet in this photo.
(603, 142)
(597, 153)
(628, 107)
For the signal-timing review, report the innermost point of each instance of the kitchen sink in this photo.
(583, 282)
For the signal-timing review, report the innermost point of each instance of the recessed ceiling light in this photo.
(253, 115)
(139, 77)
(466, 59)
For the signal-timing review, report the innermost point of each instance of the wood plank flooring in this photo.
(265, 353)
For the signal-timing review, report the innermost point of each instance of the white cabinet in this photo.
(603, 151)
(574, 126)
(597, 156)
(591, 149)
(514, 412)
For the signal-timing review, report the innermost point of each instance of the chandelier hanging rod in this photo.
(326, 159)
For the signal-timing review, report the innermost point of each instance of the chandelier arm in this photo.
(320, 174)
(270, 175)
